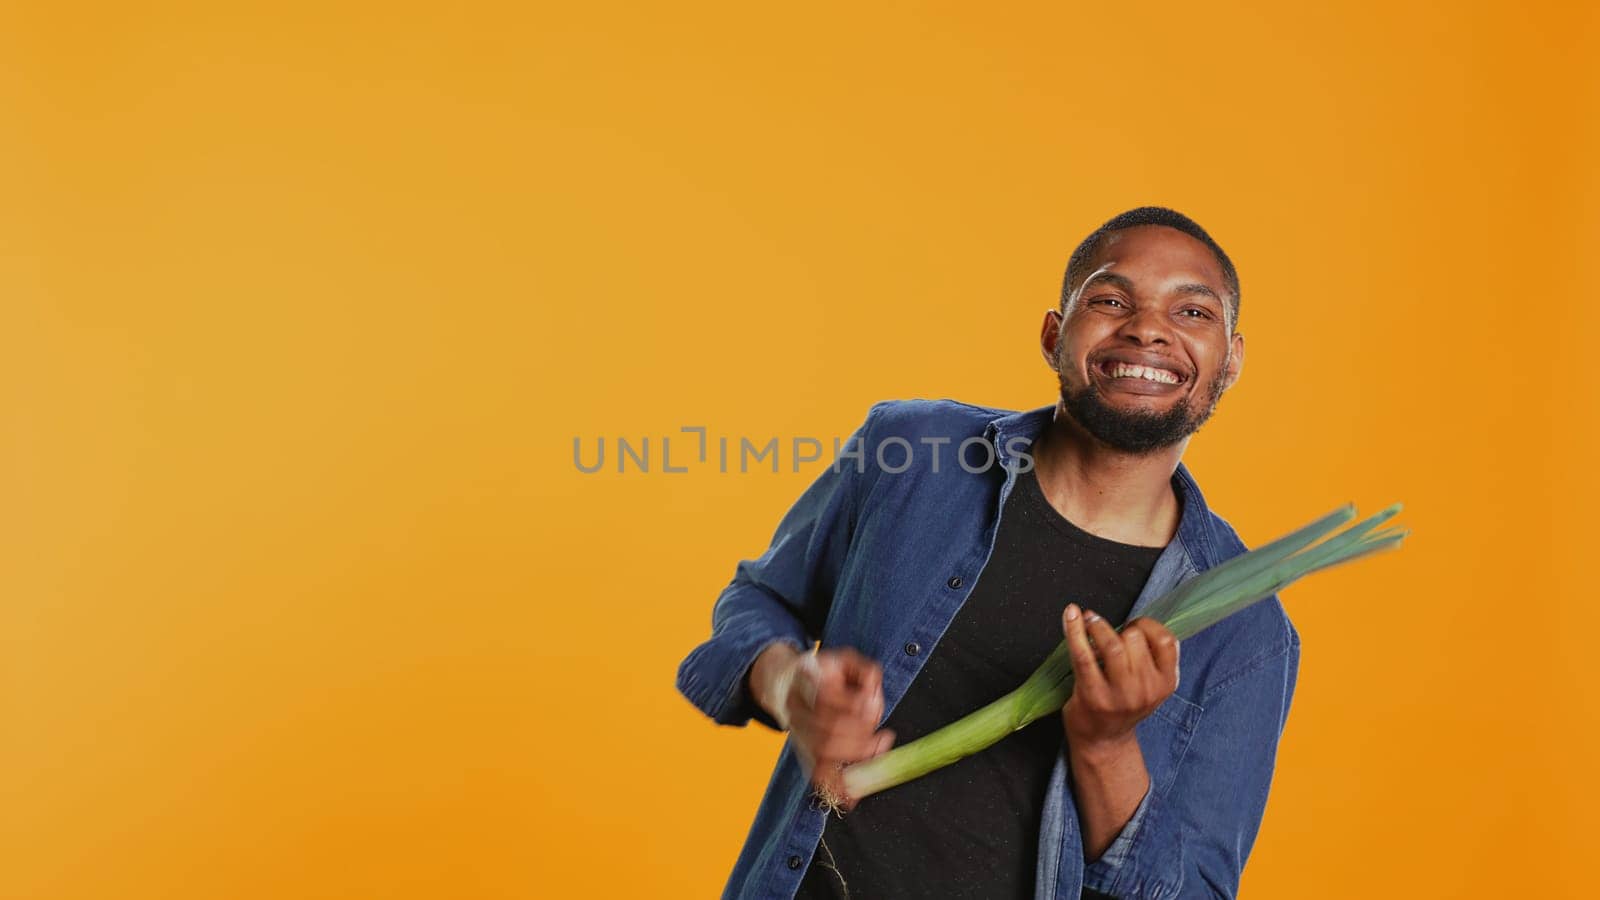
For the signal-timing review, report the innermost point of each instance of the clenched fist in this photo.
(830, 701)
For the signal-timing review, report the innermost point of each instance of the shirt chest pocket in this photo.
(1164, 737)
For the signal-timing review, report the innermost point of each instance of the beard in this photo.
(1138, 432)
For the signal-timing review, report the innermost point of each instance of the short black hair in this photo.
(1150, 215)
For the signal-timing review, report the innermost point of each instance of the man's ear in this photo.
(1050, 337)
(1235, 361)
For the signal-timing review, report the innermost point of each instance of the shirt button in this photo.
(954, 582)
(794, 862)
(913, 648)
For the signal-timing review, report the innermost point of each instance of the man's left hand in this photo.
(1119, 679)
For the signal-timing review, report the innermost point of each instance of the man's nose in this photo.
(1147, 326)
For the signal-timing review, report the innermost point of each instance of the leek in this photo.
(1187, 609)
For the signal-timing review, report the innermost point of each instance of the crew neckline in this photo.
(1035, 493)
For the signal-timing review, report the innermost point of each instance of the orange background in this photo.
(303, 595)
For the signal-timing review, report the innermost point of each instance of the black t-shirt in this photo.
(971, 829)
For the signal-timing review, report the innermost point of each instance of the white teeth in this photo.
(1123, 370)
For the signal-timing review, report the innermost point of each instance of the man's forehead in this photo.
(1156, 250)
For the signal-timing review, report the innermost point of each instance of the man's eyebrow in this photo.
(1120, 281)
(1195, 287)
(1125, 283)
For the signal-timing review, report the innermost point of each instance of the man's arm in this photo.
(1118, 681)
(1192, 840)
(780, 598)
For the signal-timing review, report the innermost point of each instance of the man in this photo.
(947, 553)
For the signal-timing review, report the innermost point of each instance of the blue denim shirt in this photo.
(881, 560)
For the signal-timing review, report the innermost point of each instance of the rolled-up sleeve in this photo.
(1192, 840)
(781, 596)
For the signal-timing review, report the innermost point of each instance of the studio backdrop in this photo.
(315, 317)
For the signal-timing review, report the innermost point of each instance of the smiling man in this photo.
(937, 581)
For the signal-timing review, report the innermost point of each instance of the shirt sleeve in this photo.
(1193, 839)
(781, 596)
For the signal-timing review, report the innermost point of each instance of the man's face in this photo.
(1147, 349)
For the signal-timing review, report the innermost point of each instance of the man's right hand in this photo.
(830, 701)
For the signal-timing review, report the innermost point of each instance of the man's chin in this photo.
(1130, 423)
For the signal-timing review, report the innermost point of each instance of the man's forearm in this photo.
(769, 680)
(1109, 782)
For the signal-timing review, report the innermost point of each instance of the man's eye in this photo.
(1106, 300)
(1199, 313)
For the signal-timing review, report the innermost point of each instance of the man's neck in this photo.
(1119, 496)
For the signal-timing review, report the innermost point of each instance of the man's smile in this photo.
(1138, 373)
